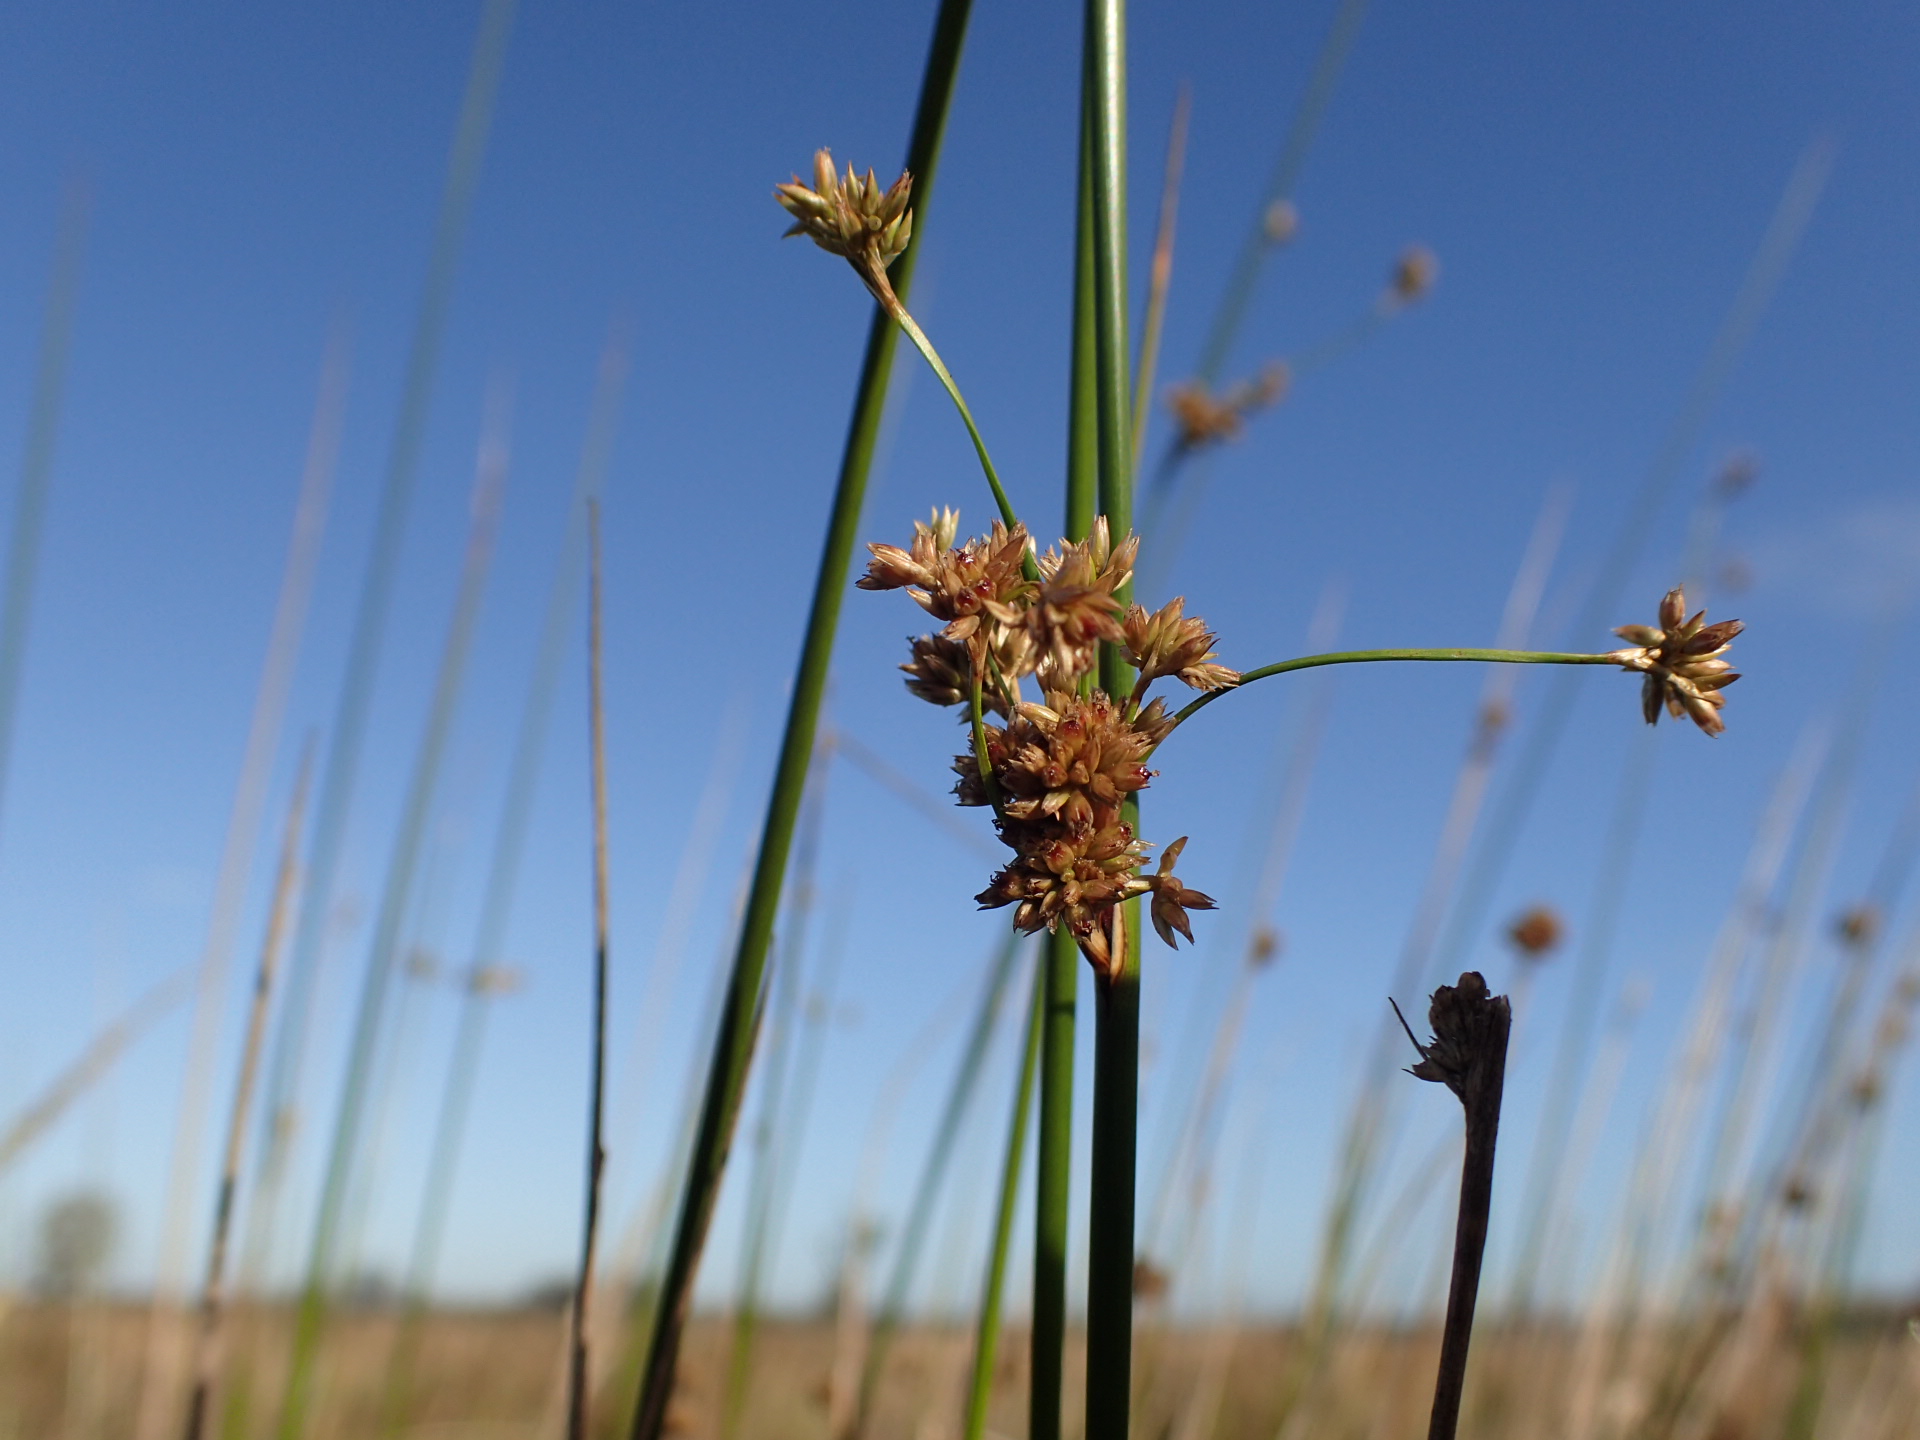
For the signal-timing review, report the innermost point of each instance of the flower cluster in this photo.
(1059, 769)
(1681, 660)
(852, 217)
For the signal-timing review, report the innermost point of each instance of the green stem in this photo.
(1367, 657)
(733, 1045)
(987, 1337)
(1054, 1145)
(925, 347)
(1116, 1079)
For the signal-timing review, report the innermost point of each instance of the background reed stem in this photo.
(205, 1365)
(577, 1376)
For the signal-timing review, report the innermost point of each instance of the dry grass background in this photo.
(68, 1371)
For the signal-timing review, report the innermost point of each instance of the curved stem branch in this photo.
(1365, 657)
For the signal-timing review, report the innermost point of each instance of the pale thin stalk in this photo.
(1258, 245)
(347, 735)
(986, 1341)
(1160, 277)
(383, 951)
(36, 462)
(93, 1062)
(733, 1046)
(927, 1191)
(163, 1353)
(205, 1366)
(577, 1390)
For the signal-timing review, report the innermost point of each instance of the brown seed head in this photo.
(1077, 606)
(964, 586)
(1468, 1051)
(1167, 643)
(1172, 900)
(852, 217)
(1680, 658)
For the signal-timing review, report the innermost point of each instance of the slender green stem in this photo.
(925, 347)
(987, 1336)
(733, 1045)
(1367, 657)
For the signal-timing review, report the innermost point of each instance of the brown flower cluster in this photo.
(1059, 770)
(1681, 659)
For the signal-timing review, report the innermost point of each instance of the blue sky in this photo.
(1594, 181)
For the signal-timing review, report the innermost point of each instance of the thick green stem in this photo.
(987, 1336)
(733, 1045)
(1116, 1083)
(1054, 1146)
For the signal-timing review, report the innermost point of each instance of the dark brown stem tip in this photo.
(1468, 1052)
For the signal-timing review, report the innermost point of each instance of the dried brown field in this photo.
(66, 1374)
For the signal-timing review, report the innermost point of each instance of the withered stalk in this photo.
(1468, 1054)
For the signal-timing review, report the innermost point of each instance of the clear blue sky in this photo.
(1594, 180)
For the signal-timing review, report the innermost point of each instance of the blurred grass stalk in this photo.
(986, 1343)
(578, 1390)
(384, 949)
(926, 1193)
(733, 1045)
(348, 732)
(769, 1140)
(164, 1355)
(204, 1365)
(36, 461)
(485, 975)
(1259, 244)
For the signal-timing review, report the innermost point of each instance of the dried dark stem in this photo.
(1468, 1055)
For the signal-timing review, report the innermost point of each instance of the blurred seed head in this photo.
(1858, 926)
(1537, 932)
(1415, 274)
(1150, 1282)
(1736, 474)
(1203, 418)
(1265, 947)
(1281, 222)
